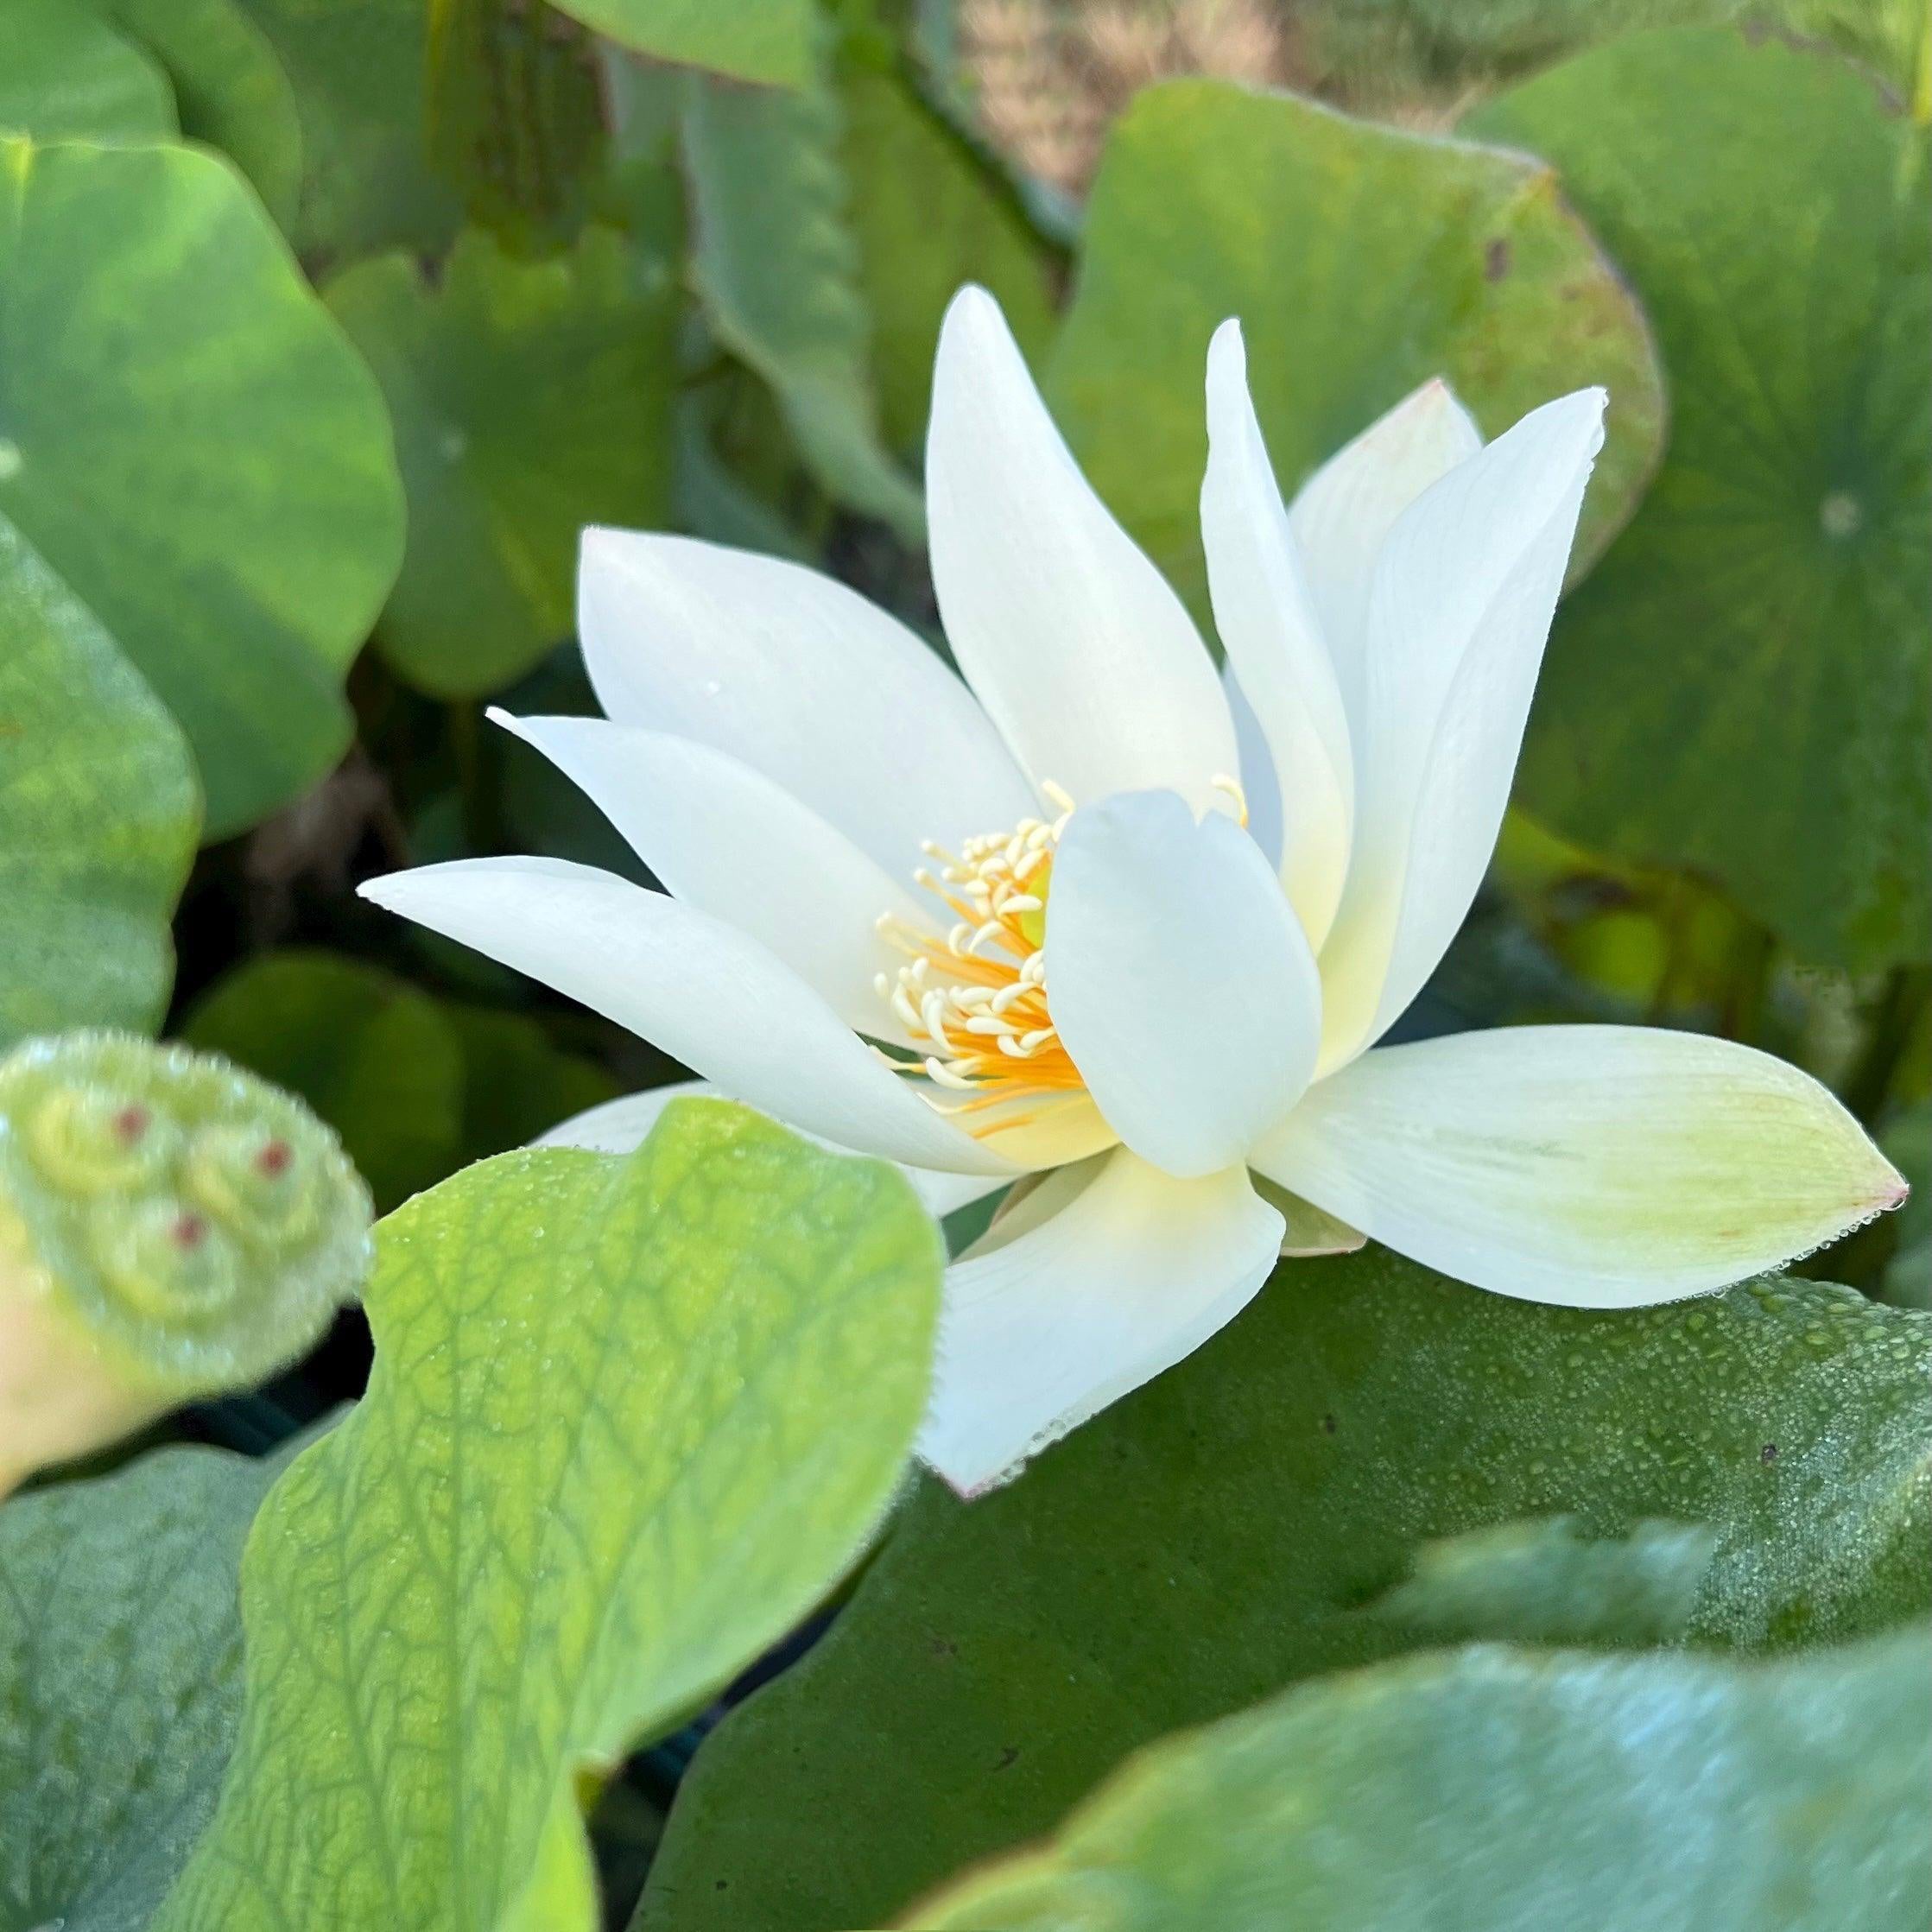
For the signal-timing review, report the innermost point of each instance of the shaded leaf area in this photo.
(770, 41)
(120, 1682)
(68, 76)
(99, 813)
(1275, 1508)
(230, 88)
(529, 400)
(1361, 261)
(368, 183)
(194, 450)
(629, 1421)
(777, 268)
(927, 217)
(1515, 1792)
(416, 1086)
(1742, 687)
(1908, 1141)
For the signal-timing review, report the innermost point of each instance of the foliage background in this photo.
(327, 327)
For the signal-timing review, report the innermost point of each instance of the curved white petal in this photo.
(1260, 783)
(1274, 644)
(619, 1127)
(723, 838)
(1593, 1166)
(1463, 595)
(1342, 515)
(800, 677)
(702, 990)
(1107, 1274)
(1180, 981)
(1077, 647)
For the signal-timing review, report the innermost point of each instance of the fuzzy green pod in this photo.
(169, 1226)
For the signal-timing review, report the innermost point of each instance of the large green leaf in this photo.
(1361, 261)
(120, 1682)
(356, 68)
(194, 448)
(770, 41)
(1743, 687)
(629, 1419)
(1513, 1792)
(530, 399)
(777, 266)
(928, 216)
(230, 89)
(97, 815)
(373, 1056)
(69, 76)
(1276, 1507)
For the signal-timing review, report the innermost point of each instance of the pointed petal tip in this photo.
(1228, 344)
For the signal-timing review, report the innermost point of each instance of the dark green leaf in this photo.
(1743, 687)
(1515, 1793)
(1241, 1523)
(530, 399)
(67, 75)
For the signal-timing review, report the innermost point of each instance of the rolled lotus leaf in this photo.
(169, 1226)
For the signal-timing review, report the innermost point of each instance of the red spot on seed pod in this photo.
(131, 1123)
(189, 1231)
(275, 1157)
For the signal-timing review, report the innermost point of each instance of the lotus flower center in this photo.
(978, 998)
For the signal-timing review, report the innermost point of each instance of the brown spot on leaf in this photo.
(1496, 260)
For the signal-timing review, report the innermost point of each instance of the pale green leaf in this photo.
(120, 1682)
(1287, 1503)
(67, 75)
(99, 813)
(195, 451)
(529, 400)
(1361, 261)
(777, 270)
(1743, 689)
(629, 1419)
(1516, 1793)
(768, 41)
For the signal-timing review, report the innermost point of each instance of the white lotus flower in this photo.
(1115, 977)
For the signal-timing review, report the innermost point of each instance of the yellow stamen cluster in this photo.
(978, 998)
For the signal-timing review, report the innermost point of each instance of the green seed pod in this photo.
(169, 1226)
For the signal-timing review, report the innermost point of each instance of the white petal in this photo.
(619, 1127)
(1180, 983)
(1464, 592)
(1103, 1276)
(698, 989)
(1074, 641)
(800, 677)
(1344, 512)
(1259, 781)
(1274, 644)
(1593, 1166)
(725, 839)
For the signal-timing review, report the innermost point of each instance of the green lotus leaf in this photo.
(776, 265)
(530, 399)
(356, 67)
(927, 218)
(170, 1226)
(1742, 687)
(107, 1775)
(69, 76)
(629, 1419)
(1361, 261)
(99, 813)
(769, 41)
(1515, 1792)
(230, 88)
(1330, 1481)
(190, 445)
